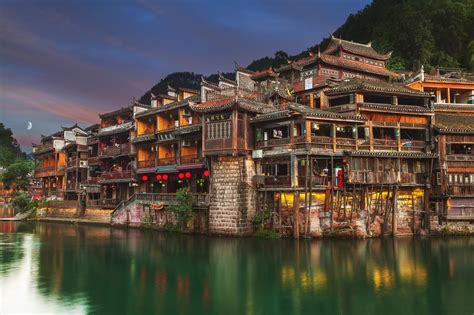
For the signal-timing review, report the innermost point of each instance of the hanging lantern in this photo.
(159, 177)
(165, 177)
(187, 175)
(144, 178)
(180, 175)
(206, 173)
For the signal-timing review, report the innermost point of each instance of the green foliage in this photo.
(17, 174)
(261, 217)
(21, 202)
(183, 207)
(264, 233)
(9, 148)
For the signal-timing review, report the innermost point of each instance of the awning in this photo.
(190, 167)
(166, 169)
(146, 170)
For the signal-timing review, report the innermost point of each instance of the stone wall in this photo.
(232, 196)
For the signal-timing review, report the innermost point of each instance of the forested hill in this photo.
(428, 32)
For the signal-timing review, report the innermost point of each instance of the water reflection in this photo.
(101, 270)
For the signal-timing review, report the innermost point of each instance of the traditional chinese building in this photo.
(57, 162)
(453, 91)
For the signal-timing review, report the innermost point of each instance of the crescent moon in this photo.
(30, 125)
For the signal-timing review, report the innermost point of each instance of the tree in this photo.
(17, 174)
(183, 207)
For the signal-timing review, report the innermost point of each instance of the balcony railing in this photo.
(460, 157)
(460, 213)
(388, 177)
(167, 161)
(116, 175)
(199, 199)
(121, 149)
(93, 160)
(190, 159)
(315, 181)
(461, 190)
(385, 144)
(146, 164)
(413, 145)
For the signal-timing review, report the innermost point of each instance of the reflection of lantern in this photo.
(180, 175)
(159, 177)
(165, 177)
(187, 175)
(206, 173)
(144, 178)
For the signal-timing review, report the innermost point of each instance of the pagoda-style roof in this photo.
(228, 81)
(389, 108)
(117, 112)
(227, 103)
(264, 74)
(373, 86)
(450, 107)
(115, 129)
(91, 128)
(279, 114)
(208, 84)
(239, 68)
(320, 113)
(365, 50)
(170, 106)
(454, 123)
(289, 66)
(357, 65)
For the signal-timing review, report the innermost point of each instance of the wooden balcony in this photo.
(117, 150)
(93, 160)
(273, 181)
(461, 189)
(387, 178)
(72, 163)
(49, 171)
(190, 159)
(413, 145)
(92, 140)
(385, 144)
(146, 164)
(199, 199)
(464, 212)
(345, 143)
(460, 157)
(116, 175)
(320, 142)
(315, 181)
(168, 161)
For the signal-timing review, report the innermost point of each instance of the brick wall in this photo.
(232, 196)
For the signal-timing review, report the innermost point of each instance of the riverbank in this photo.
(163, 221)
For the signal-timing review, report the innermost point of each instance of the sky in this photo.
(64, 62)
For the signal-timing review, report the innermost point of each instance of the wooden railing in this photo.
(413, 145)
(218, 144)
(167, 161)
(385, 144)
(460, 213)
(201, 199)
(121, 149)
(116, 174)
(388, 177)
(190, 159)
(460, 157)
(93, 160)
(345, 143)
(315, 181)
(461, 190)
(146, 164)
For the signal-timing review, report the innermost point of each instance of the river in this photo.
(68, 269)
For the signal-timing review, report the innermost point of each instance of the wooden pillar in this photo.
(438, 96)
(334, 137)
(371, 136)
(234, 130)
(203, 133)
(296, 208)
(311, 100)
(246, 128)
(399, 138)
(308, 130)
(395, 211)
(449, 95)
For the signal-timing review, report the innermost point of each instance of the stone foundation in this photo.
(232, 196)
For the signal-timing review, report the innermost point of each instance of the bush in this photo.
(21, 202)
(261, 218)
(263, 233)
(183, 209)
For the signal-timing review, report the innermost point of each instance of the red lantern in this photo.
(188, 175)
(340, 179)
(159, 177)
(144, 178)
(206, 173)
(165, 177)
(180, 175)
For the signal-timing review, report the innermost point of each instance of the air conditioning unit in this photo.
(83, 163)
(186, 143)
(186, 112)
(257, 154)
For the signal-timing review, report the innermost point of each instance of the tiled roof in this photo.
(120, 111)
(243, 69)
(355, 48)
(271, 116)
(359, 85)
(228, 81)
(308, 111)
(170, 106)
(263, 74)
(454, 123)
(144, 138)
(229, 102)
(399, 154)
(188, 129)
(289, 66)
(453, 107)
(115, 129)
(357, 65)
(395, 108)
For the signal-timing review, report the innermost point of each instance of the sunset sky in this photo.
(63, 62)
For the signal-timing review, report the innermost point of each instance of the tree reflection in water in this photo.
(119, 271)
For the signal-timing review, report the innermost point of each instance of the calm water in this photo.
(66, 269)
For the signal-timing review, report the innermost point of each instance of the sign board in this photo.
(308, 83)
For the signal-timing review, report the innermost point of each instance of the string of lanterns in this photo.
(165, 177)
